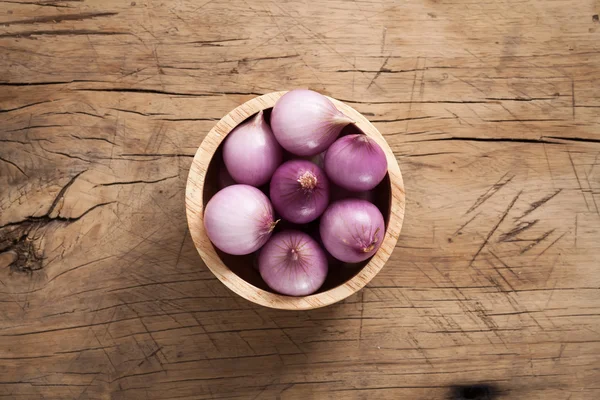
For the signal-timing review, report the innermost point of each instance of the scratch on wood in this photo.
(551, 244)
(573, 97)
(426, 275)
(537, 241)
(458, 231)
(383, 39)
(539, 203)
(560, 352)
(362, 312)
(501, 276)
(412, 94)
(505, 265)
(148, 356)
(382, 69)
(489, 235)
(578, 181)
(521, 227)
(490, 192)
(420, 349)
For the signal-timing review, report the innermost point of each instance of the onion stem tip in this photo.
(342, 119)
(273, 224)
(308, 180)
(259, 118)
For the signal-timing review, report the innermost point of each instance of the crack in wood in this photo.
(59, 18)
(60, 32)
(136, 182)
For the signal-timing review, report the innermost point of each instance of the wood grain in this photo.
(491, 109)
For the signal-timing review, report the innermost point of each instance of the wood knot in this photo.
(25, 257)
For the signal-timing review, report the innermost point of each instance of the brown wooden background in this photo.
(492, 108)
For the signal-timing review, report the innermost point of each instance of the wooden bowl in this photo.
(238, 272)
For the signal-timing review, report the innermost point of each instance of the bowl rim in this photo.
(195, 212)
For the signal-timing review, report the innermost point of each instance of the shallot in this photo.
(305, 122)
(251, 152)
(292, 263)
(356, 163)
(299, 191)
(239, 219)
(352, 230)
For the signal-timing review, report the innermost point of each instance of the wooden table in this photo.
(493, 111)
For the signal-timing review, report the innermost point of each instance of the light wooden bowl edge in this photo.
(194, 212)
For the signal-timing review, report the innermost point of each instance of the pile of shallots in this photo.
(240, 218)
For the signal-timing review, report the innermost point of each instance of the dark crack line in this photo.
(14, 165)
(60, 18)
(156, 155)
(135, 182)
(137, 112)
(401, 119)
(62, 192)
(48, 83)
(519, 98)
(50, 3)
(164, 92)
(33, 127)
(25, 106)
(94, 138)
(479, 139)
(574, 139)
(47, 219)
(60, 32)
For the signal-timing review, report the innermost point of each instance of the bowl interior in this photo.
(245, 266)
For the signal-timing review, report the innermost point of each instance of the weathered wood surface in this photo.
(492, 109)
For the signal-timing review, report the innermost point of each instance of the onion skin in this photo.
(293, 263)
(299, 191)
(352, 230)
(251, 152)
(318, 159)
(239, 219)
(306, 123)
(356, 163)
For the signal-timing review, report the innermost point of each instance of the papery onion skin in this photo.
(356, 163)
(251, 153)
(352, 230)
(239, 219)
(318, 159)
(299, 191)
(293, 263)
(306, 123)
